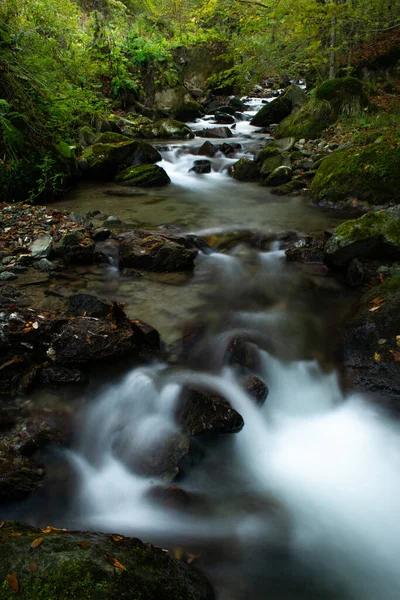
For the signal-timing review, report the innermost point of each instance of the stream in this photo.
(303, 502)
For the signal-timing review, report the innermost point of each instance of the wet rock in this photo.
(229, 149)
(215, 132)
(274, 162)
(88, 305)
(44, 265)
(281, 107)
(256, 388)
(112, 221)
(102, 234)
(62, 375)
(306, 250)
(162, 459)
(88, 565)
(43, 427)
(242, 353)
(175, 498)
(156, 252)
(146, 336)
(201, 166)
(143, 176)
(245, 170)
(19, 476)
(188, 111)
(200, 411)
(292, 187)
(374, 235)
(355, 273)
(7, 276)
(74, 248)
(40, 248)
(371, 346)
(223, 118)
(207, 149)
(236, 103)
(279, 176)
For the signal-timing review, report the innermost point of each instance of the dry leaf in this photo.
(13, 582)
(114, 562)
(377, 300)
(117, 538)
(177, 552)
(382, 341)
(15, 534)
(36, 542)
(85, 545)
(191, 558)
(396, 355)
(33, 566)
(2, 524)
(374, 308)
(398, 340)
(50, 529)
(377, 357)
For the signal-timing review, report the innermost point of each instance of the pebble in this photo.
(7, 276)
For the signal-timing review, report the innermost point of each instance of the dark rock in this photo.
(62, 375)
(156, 252)
(188, 111)
(245, 170)
(162, 459)
(143, 176)
(215, 132)
(201, 166)
(229, 149)
(147, 336)
(44, 427)
(199, 412)
(223, 118)
(90, 566)
(207, 149)
(101, 234)
(281, 107)
(256, 388)
(292, 187)
(229, 110)
(74, 248)
(19, 476)
(10, 296)
(242, 353)
(8, 418)
(44, 265)
(355, 273)
(236, 103)
(306, 250)
(88, 305)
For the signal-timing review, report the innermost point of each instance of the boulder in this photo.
(201, 166)
(215, 132)
(223, 118)
(245, 170)
(19, 476)
(207, 149)
(276, 110)
(279, 176)
(171, 129)
(374, 235)
(270, 149)
(74, 248)
(274, 162)
(307, 250)
(188, 111)
(86, 137)
(40, 248)
(236, 104)
(371, 347)
(88, 305)
(292, 187)
(200, 412)
(155, 252)
(143, 176)
(367, 173)
(103, 160)
(54, 563)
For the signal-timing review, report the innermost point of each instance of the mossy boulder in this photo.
(170, 128)
(370, 348)
(103, 160)
(270, 149)
(110, 137)
(143, 176)
(245, 170)
(374, 235)
(332, 99)
(280, 107)
(188, 111)
(136, 126)
(270, 164)
(368, 173)
(279, 176)
(292, 187)
(86, 136)
(87, 566)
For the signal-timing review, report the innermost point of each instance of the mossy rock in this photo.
(109, 137)
(245, 170)
(374, 235)
(270, 149)
(279, 176)
(143, 176)
(188, 111)
(136, 126)
(86, 136)
(170, 128)
(292, 187)
(103, 160)
(367, 173)
(308, 122)
(270, 164)
(86, 566)
(346, 96)
(280, 107)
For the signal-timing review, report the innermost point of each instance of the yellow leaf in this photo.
(36, 542)
(13, 582)
(50, 529)
(382, 341)
(377, 357)
(2, 524)
(398, 340)
(374, 308)
(114, 562)
(85, 545)
(117, 538)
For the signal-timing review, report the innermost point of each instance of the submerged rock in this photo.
(155, 252)
(201, 167)
(88, 566)
(143, 176)
(74, 248)
(88, 305)
(215, 132)
(245, 170)
(199, 412)
(281, 107)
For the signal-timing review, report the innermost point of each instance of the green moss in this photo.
(308, 122)
(143, 176)
(188, 111)
(345, 94)
(272, 163)
(170, 128)
(109, 137)
(245, 170)
(368, 173)
(270, 149)
(289, 188)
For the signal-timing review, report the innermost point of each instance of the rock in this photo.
(172, 129)
(281, 107)
(279, 176)
(61, 376)
(371, 353)
(223, 118)
(40, 248)
(274, 162)
(143, 176)
(285, 144)
(215, 132)
(100, 235)
(74, 248)
(42, 427)
(367, 173)
(306, 250)
(88, 305)
(245, 170)
(306, 164)
(10, 296)
(355, 273)
(155, 252)
(373, 235)
(201, 166)
(104, 160)
(236, 103)
(88, 566)
(161, 460)
(199, 412)
(229, 110)
(86, 136)
(19, 476)
(207, 149)
(270, 149)
(292, 187)
(44, 265)
(256, 388)
(188, 111)
(229, 149)
(112, 221)
(7, 276)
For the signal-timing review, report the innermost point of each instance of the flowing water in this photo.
(303, 502)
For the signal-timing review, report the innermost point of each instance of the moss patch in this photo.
(245, 170)
(368, 173)
(143, 176)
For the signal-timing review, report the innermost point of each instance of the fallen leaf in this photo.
(191, 558)
(398, 340)
(377, 357)
(85, 545)
(382, 341)
(33, 566)
(177, 552)
(114, 562)
(15, 534)
(13, 582)
(88, 340)
(50, 529)
(374, 308)
(36, 542)
(377, 300)
(396, 355)
(117, 538)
